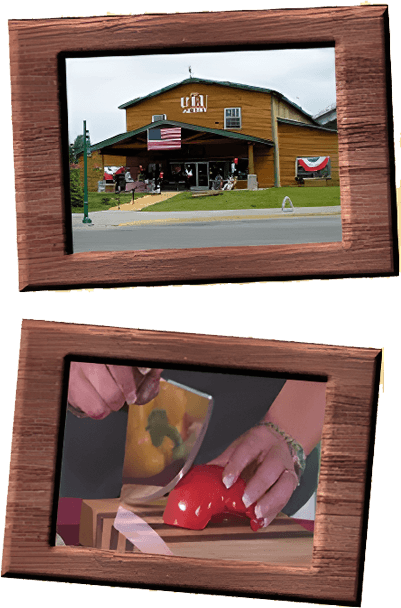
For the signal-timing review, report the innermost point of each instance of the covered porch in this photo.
(202, 155)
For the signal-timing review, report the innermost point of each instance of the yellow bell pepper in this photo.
(154, 433)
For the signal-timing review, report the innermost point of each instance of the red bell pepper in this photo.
(201, 496)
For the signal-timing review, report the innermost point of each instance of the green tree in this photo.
(72, 155)
(76, 190)
(76, 148)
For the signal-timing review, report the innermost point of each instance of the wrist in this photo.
(299, 411)
(294, 447)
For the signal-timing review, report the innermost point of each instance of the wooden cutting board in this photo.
(283, 542)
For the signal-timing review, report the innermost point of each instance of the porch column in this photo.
(252, 182)
(251, 164)
(274, 114)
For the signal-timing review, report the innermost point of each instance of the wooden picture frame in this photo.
(352, 376)
(367, 174)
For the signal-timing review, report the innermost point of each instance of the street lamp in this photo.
(86, 219)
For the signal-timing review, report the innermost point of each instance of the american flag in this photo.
(164, 139)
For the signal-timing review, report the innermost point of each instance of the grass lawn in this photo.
(101, 201)
(259, 199)
(235, 199)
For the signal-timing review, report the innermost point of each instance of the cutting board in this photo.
(283, 542)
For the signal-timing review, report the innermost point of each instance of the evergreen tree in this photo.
(76, 190)
(78, 145)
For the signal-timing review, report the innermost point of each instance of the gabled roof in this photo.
(326, 114)
(166, 123)
(222, 83)
(297, 123)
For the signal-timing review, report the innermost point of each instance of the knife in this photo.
(127, 522)
(139, 533)
(136, 490)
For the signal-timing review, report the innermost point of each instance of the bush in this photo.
(76, 190)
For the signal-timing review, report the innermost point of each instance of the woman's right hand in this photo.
(96, 389)
(273, 480)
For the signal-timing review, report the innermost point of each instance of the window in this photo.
(312, 167)
(157, 117)
(232, 118)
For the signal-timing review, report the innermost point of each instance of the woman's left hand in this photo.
(274, 481)
(97, 389)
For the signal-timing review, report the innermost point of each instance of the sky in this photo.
(96, 86)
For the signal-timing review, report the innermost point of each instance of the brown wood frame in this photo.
(367, 177)
(352, 376)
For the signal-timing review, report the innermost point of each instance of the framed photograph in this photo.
(236, 148)
(334, 571)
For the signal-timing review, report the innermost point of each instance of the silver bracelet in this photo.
(296, 450)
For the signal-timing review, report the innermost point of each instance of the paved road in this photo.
(182, 235)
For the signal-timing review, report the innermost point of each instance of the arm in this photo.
(299, 411)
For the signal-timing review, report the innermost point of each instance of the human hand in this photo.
(96, 390)
(273, 479)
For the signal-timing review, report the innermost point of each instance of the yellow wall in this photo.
(255, 108)
(284, 110)
(264, 167)
(95, 167)
(297, 141)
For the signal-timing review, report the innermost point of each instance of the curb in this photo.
(113, 219)
(228, 218)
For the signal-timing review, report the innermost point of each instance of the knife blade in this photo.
(139, 533)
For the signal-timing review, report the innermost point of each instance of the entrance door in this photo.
(202, 177)
(195, 174)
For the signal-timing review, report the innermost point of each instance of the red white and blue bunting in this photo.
(313, 165)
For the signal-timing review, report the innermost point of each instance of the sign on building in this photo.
(194, 103)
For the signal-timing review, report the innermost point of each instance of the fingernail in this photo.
(144, 370)
(247, 500)
(266, 522)
(147, 391)
(266, 517)
(229, 480)
(131, 397)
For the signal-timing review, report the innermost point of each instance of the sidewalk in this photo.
(144, 201)
(113, 218)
